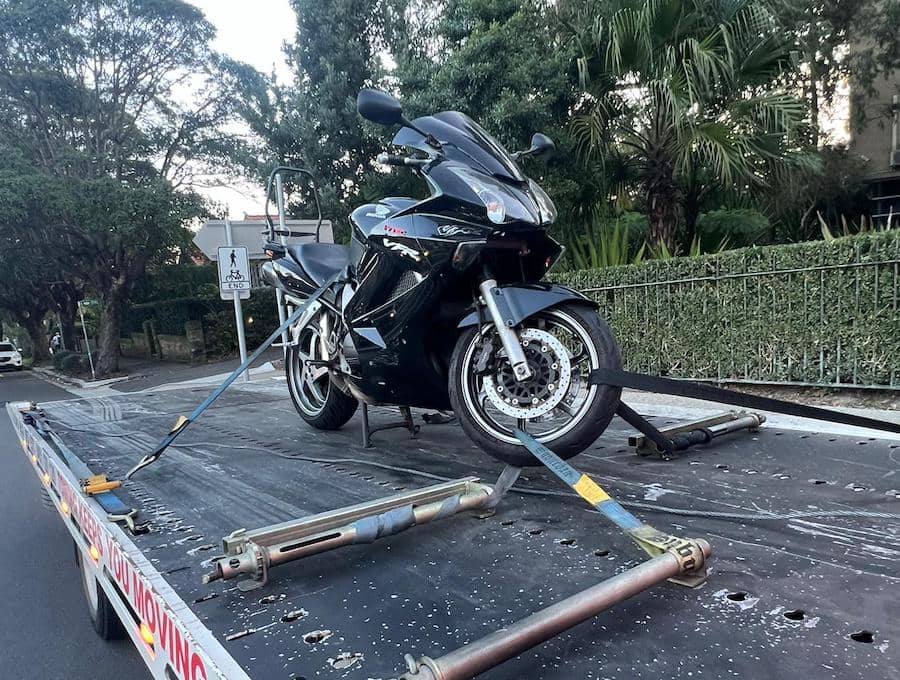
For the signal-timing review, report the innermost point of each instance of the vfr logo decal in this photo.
(403, 250)
(453, 230)
(397, 231)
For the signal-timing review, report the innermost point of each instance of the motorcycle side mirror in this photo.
(379, 107)
(541, 145)
(382, 108)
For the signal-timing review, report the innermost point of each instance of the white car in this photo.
(10, 357)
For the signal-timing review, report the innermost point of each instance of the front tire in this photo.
(567, 424)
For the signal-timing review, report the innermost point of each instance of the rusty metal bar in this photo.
(253, 553)
(506, 643)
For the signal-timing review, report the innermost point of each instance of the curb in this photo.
(76, 382)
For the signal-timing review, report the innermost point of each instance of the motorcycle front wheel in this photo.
(557, 405)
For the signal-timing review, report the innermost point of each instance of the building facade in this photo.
(879, 143)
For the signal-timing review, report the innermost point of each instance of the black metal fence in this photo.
(807, 314)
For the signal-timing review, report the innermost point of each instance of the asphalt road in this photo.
(45, 632)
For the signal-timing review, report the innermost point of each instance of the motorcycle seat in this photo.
(320, 261)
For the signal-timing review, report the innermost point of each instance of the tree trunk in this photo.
(40, 346)
(65, 298)
(691, 215)
(67, 328)
(814, 106)
(110, 327)
(812, 42)
(662, 202)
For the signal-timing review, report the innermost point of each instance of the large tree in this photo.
(132, 226)
(121, 99)
(502, 62)
(508, 65)
(33, 282)
(337, 50)
(681, 87)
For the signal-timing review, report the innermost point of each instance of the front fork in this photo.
(499, 310)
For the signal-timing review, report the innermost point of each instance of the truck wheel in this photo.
(103, 615)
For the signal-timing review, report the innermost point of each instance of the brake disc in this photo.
(551, 375)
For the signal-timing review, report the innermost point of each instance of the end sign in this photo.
(234, 272)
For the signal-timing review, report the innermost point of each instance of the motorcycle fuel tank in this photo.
(366, 217)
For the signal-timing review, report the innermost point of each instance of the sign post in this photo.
(234, 284)
(87, 343)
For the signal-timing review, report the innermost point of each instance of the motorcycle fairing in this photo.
(524, 300)
(366, 217)
(386, 311)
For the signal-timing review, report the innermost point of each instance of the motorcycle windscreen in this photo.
(465, 141)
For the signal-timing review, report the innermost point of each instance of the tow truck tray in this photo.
(785, 596)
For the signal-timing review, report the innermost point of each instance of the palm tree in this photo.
(688, 88)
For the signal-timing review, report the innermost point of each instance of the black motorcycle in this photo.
(437, 303)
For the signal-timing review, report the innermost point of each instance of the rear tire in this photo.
(593, 416)
(104, 617)
(332, 411)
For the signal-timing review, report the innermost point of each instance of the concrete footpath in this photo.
(677, 408)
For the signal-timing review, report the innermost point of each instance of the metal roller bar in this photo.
(492, 650)
(253, 553)
(685, 435)
(748, 421)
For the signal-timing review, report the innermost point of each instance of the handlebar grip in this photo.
(393, 159)
(390, 159)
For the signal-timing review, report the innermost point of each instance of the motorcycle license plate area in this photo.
(784, 597)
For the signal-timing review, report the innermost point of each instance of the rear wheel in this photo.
(104, 617)
(557, 405)
(317, 399)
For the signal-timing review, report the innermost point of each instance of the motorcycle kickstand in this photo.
(368, 431)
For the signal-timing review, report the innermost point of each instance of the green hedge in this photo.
(216, 315)
(820, 312)
(60, 355)
(169, 316)
(260, 319)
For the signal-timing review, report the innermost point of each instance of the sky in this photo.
(252, 32)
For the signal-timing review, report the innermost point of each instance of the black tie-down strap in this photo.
(692, 390)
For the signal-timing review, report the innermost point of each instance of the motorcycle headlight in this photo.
(496, 210)
(545, 205)
(501, 203)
